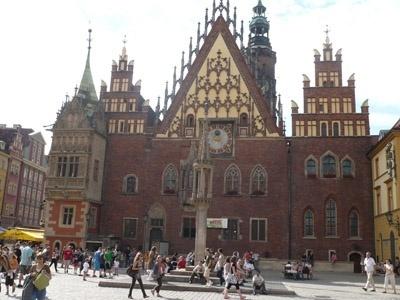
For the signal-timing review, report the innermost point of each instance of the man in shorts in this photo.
(26, 262)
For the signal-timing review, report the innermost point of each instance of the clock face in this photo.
(220, 138)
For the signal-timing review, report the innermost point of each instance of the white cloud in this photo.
(44, 48)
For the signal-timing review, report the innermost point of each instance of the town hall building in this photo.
(122, 172)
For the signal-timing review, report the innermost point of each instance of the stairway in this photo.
(179, 281)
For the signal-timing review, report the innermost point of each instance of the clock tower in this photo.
(261, 58)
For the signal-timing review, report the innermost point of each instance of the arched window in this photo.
(330, 218)
(336, 129)
(244, 121)
(170, 180)
(328, 166)
(129, 185)
(347, 168)
(190, 120)
(258, 181)
(311, 168)
(232, 180)
(324, 131)
(308, 223)
(353, 224)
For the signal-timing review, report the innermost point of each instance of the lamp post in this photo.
(394, 223)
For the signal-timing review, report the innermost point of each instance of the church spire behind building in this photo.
(87, 90)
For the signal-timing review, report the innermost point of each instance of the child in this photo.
(116, 267)
(85, 269)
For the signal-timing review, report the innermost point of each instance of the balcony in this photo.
(66, 183)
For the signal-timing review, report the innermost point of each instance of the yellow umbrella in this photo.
(22, 234)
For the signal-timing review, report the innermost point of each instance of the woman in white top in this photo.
(389, 276)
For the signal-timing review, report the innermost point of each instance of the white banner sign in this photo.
(217, 223)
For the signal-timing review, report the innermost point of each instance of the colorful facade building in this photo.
(279, 196)
(385, 158)
(32, 182)
(76, 159)
(24, 176)
(3, 171)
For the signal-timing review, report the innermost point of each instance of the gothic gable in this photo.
(219, 77)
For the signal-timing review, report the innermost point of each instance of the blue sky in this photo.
(44, 48)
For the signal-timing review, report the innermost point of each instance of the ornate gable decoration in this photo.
(220, 77)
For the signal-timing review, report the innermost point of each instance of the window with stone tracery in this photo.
(330, 218)
(258, 181)
(170, 180)
(309, 223)
(328, 166)
(232, 181)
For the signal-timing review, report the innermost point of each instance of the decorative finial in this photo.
(90, 38)
(327, 36)
(76, 88)
(123, 56)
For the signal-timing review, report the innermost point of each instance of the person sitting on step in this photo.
(198, 271)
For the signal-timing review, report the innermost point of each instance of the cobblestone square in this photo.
(324, 286)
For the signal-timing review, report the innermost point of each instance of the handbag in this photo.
(131, 272)
(41, 281)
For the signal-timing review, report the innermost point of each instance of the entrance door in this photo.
(356, 259)
(392, 247)
(156, 236)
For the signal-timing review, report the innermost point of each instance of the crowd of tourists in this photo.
(28, 266)
(232, 271)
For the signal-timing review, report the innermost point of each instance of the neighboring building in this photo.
(3, 170)
(76, 159)
(25, 174)
(385, 158)
(280, 196)
(32, 181)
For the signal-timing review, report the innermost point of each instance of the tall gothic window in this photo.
(347, 168)
(170, 179)
(258, 181)
(330, 218)
(130, 184)
(190, 120)
(324, 130)
(328, 166)
(232, 180)
(244, 121)
(308, 223)
(353, 224)
(311, 167)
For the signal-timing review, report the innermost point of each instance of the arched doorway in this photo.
(155, 226)
(392, 247)
(355, 257)
(156, 236)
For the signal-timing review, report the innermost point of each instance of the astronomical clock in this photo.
(220, 139)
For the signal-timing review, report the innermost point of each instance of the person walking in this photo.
(40, 267)
(389, 276)
(26, 262)
(136, 266)
(54, 258)
(369, 265)
(231, 277)
(158, 274)
(67, 257)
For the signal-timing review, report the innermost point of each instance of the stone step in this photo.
(184, 287)
(188, 273)
(185, 278)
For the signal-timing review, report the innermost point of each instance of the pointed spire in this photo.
(87, 90)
